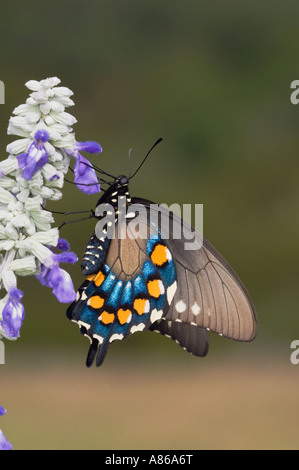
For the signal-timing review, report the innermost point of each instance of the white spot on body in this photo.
(130, 215)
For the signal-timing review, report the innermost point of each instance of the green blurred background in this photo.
(213, 79)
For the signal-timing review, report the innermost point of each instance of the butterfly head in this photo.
(118, 188)
(122, 180)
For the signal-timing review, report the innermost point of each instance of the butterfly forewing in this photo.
(209, 294)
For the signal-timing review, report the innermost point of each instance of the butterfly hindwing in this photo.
(132, 289)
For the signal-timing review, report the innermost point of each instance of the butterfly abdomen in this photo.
(94, 255)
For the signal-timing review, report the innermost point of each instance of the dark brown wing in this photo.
(209, 294)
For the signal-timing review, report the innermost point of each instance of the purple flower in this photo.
(58, 279)
(63, 244)
(2, 411)
(36, 156)
(85, 176)
(89, 146)
(4, 443)
(13, 313)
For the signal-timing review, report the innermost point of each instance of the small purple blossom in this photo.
(54, 177)
(4, 443)
(85, 176)
(13, 314)
(36, 156)
(2, 411)
(63, 244)
(58, 279)
(89, 146)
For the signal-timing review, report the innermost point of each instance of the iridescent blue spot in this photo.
(114, 297)
(108, 284)
(87, 315)
(168, 273)
(151, 242)
(127, 297)
(139, 286)
(149, 269)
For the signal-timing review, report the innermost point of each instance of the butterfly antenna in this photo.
(100, 180)
(129, 161)
(156, 143)
(99, 170)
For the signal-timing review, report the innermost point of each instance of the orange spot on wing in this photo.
(107, 317)
(124, 316)
(139, 305)
(159, 255)
(99, 278)
(96, 301)
(91, 277)
(154, 288)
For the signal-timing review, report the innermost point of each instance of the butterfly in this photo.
(139, 278)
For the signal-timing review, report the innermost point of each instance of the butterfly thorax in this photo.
(118, 189)
(115, 199)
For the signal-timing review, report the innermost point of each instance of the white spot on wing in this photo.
(171, 291)
(87, 336)
(99, 338)
(195, 309)
(139, 327)
(116, 336)
(156, 315)
(180, 306)
(168, 254)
